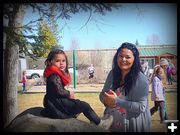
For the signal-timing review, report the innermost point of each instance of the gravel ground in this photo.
(39, 86)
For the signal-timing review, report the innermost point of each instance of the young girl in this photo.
(158, 92)
(59, 102)
(24, 81)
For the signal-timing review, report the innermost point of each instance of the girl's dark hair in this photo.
(132, 75)
(51, 56)
(158, 70)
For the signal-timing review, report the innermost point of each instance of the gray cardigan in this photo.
(136, 103)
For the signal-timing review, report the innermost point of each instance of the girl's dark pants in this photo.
(159, 104)
(83, 107)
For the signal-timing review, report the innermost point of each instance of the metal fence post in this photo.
(74, 67)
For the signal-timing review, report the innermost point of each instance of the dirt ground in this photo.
(39, 82)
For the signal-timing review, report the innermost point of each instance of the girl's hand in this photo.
(157, 99)
(72, 94)
(109, 99)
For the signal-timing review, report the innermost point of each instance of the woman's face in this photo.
(59, 61)
(125, 59)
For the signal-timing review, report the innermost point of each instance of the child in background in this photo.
(59, 102)
(91, 71)
(158, 92)
(24, 81)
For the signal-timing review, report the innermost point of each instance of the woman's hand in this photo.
(109, 99)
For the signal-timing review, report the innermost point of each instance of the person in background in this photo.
(126, 92)
(91, 71)
(164, 63)
(24, 81)
(145, 69)
(158, 92)
(170, 70)
(60, 103)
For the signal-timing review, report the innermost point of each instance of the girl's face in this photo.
(59, 61)
(161, 71)
(125, 59)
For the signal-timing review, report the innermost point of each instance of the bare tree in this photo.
(153, 39)
(74, 44)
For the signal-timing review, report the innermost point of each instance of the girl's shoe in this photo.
(106, 124)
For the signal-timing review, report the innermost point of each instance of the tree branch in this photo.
(90, 15)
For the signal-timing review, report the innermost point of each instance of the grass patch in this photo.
(26, 101)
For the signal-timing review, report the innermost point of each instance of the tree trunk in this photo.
(10, 75)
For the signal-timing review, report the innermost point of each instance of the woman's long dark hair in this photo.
(132, 75)
(51, 56)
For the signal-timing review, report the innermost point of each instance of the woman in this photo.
(128, 91)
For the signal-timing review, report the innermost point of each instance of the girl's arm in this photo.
(57, 85)
(154, 86)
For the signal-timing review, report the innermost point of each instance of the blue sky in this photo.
(127, 24)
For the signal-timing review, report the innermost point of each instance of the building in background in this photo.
(102, 60)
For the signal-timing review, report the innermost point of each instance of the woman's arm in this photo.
(140, 98)
(136, 100)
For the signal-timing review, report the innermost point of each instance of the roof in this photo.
(157, 50)
(148, 50)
